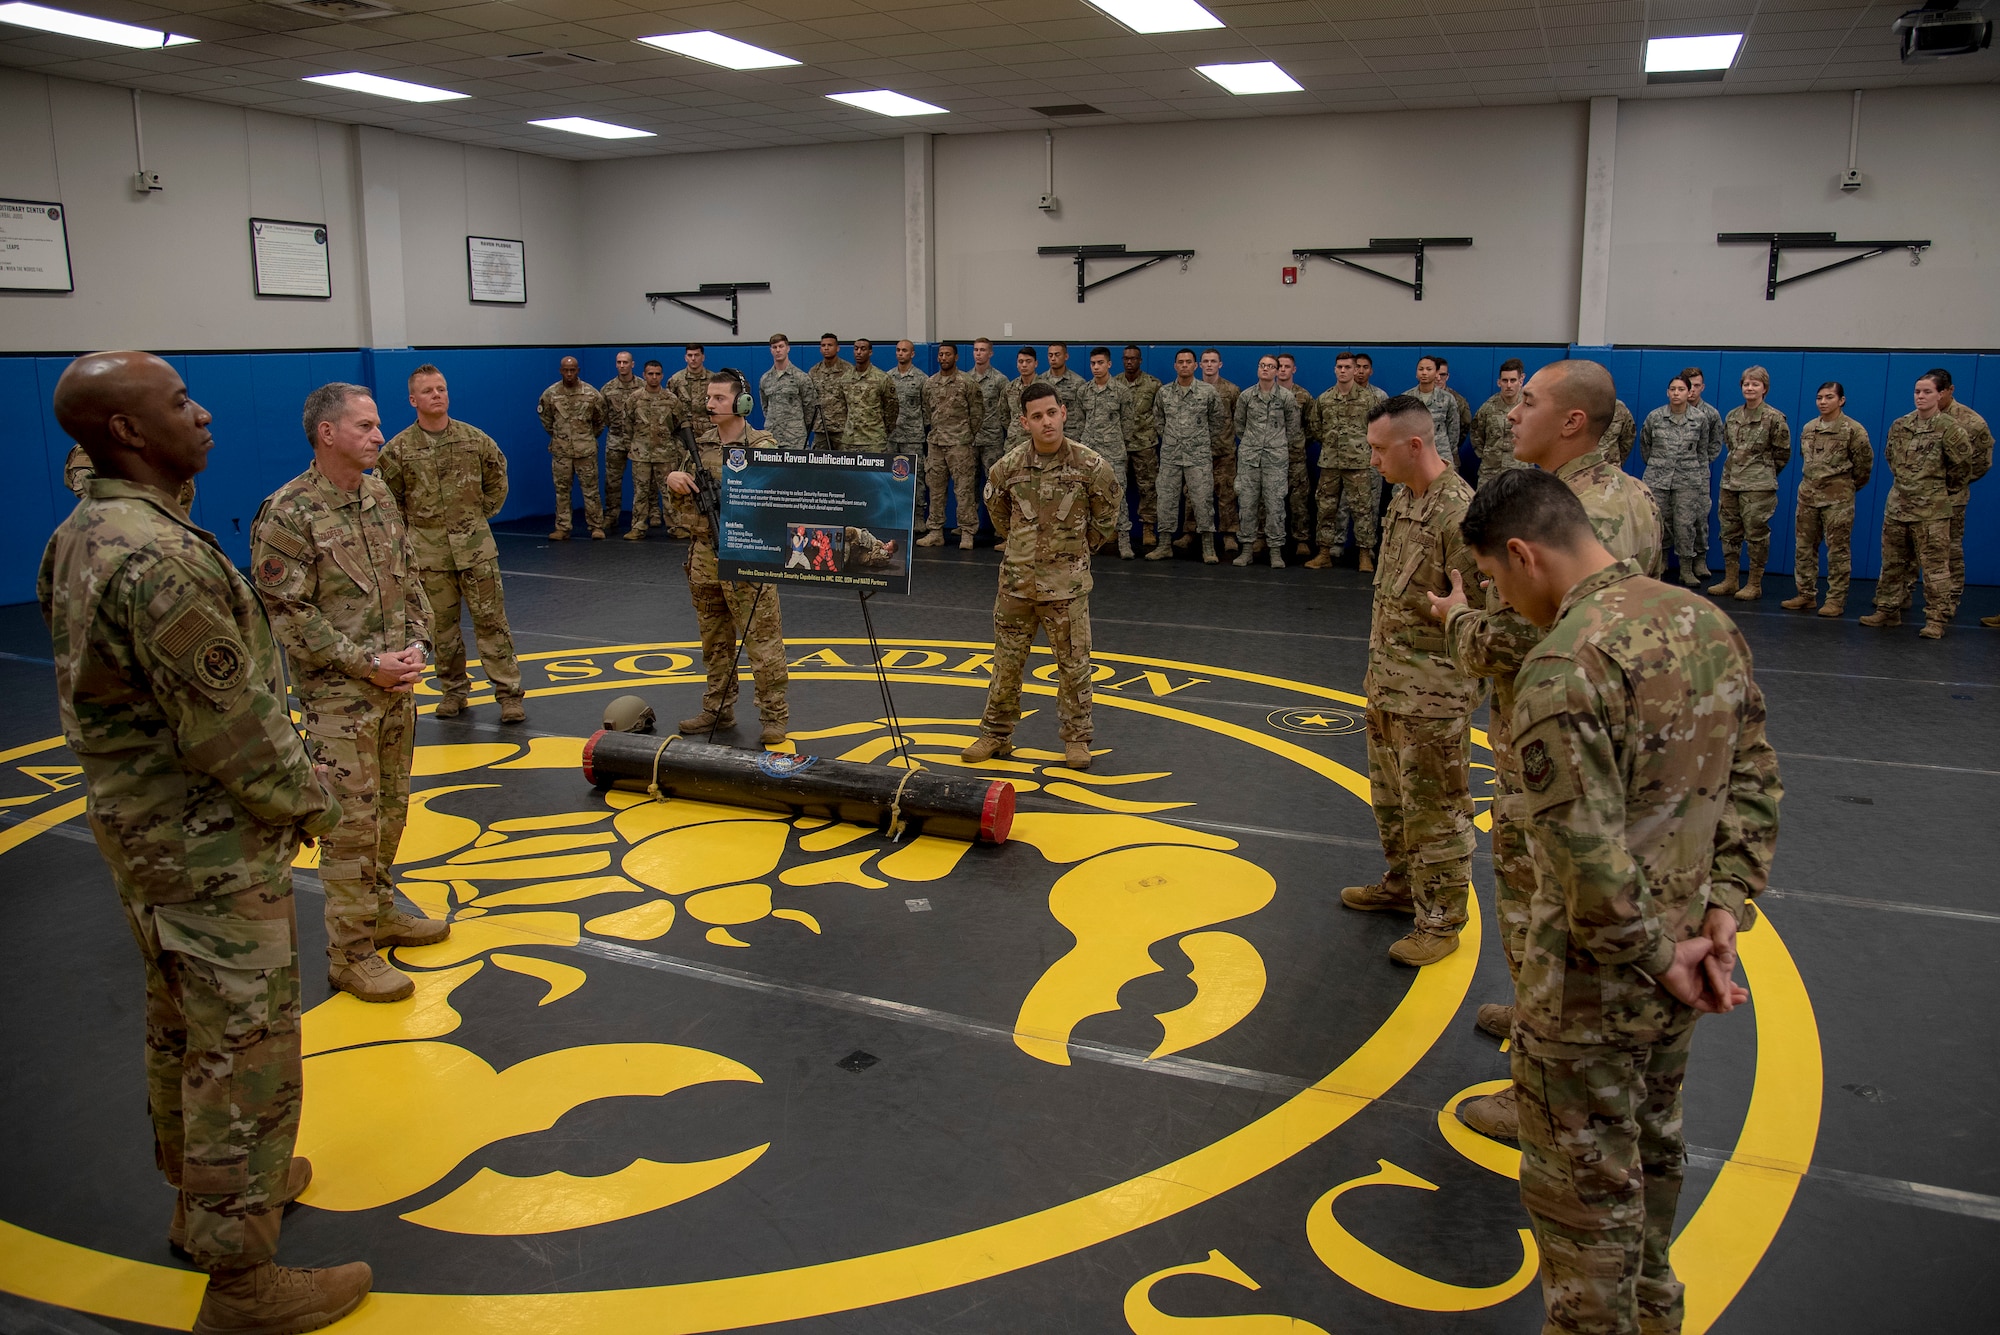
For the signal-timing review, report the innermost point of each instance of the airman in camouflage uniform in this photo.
(78, 470)
(827, 376)
(1930, 457)
(912, 413)
(573, 413)
(1051, 501)
(1142, 447)
(790, 398)
(690, 385)
(1298, 481)
(1492, 433)
(1980, 437)
(1222, 450)
(1618, 438)
(1835, 461)
(171, 700)
(1464, 409)
(1651, 798)
(1186, 410)
(1067, 384)
(1267, 416)
(990, 442)
(1760, 445)
(1348, 484)
(658, 419)
(1446, 423)
(617, 392)
(1104, 424)
(1017, 434)
(956, 410)
(449, 478)
(1674, 442)
(871, 405)
(1420, 703)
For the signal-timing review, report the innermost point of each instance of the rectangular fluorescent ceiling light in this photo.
(1257, 76)
(885, 103)
(1680, 55)
(716, 49)
(82, 25)
(595, 129)
(355, 82)
(1159, 15)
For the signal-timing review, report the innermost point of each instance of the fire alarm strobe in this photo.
(1291, 274)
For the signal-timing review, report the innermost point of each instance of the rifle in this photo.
(707, 491)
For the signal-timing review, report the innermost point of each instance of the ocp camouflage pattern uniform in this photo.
(1298, 481)
(1104, 424)
(1446, 423)
(658, 417)
(1222, 452)
(1142, 445)
(1493, 438)
(1266, 420)
(791, 404)
(1980, 437)
(1651, 796)
(912, 413)
(1187, 417)
(1835, 462)
(1050, 512)
(1347, 481)
(690, 386)
(1069, 388)
(334, 570)
(827, 377)
(990, 441)
(1759, 445)
(1618, 437)
(170, 695)
(727, 610)
(1929, 461)
(956, 411)
(1464, 421)
(1016, 433)
(573, 417)
(78, 470)
(871, 412)
(1420, 707)
(1675, 449)
(617, 392)
(1715, 442)
(448, 486)
(1494, 642)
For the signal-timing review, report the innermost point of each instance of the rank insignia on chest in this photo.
(219, 663)
(1536, 766)
(272, 570)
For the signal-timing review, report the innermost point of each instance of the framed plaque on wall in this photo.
(289, 259)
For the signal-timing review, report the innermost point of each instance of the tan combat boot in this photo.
(1256, 548)
(1243, 556)
(397, 928)
(1124, 546)
(1147, 538)
(1883, 616)
(1229, 544)
(1991, 623)
(1277, 559)
(1495, 1116)
(370, 979)
(1183, 542)
(934, 538)
(451, 706)
(1727, 588)
(965, 540)
(272, 1299)
(1833, 609)
(1933, 629)
(1799, 601)
(1753, 585)
(1321, 561)
(1076, 755)
(986, 748)
(559, 535)
(513, 711)
(709, 719)
(773, 732)
(1160, 552)
(1367, 564)
(1424, 945)
(298, 1177)
(635, 535)
(597, 535)
(1208, 556)
(1302, 550)
(1380, 897)
(1496, 1018)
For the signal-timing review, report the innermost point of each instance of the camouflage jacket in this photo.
(1835, 460)
(1618, 437)
(333, 568)
(618, 407)
(710, 447)
(993, 425)
(1760, 445)
(1305, 430)
(871, 411)
(447, 487)
(1266, 420)
(657, 418)
(1410, 670)
(1651, 795)
(1464, 416)
(691, 388)
(1019, 385)
(1493, 438)
(1222, 440)
(171, 699)
(1145, 432)
(827, 377)
(1675, 449)
(955, 409)
(791, 404)
(1977, 433)
(1446, 425)
(78, 470)
(1050, 512)
(912, 412)
(1069, 388)
(1104, 418)
(1189, 418)
(1713, 425)
(1342, 418)
(1929, 461)
(572, 417)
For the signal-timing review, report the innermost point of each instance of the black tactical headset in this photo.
(744, 403)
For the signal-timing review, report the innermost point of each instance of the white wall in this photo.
(1689, 168)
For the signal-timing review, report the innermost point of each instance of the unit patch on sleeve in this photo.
(220, 663)
(272, 571)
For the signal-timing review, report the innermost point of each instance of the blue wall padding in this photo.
(256, 398)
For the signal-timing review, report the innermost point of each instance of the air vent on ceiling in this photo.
(1685, 76)
(1069, 109)
(549, 60)
(346, 11)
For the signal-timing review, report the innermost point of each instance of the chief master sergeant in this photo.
(200, 792)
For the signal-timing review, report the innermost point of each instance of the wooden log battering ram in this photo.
(895, 801)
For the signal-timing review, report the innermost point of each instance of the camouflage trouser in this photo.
(1298, 495)
(1116, 458)
(478, 588)
(1957, 551)
(1924, 544)
(1145, 482)
(1351, 490)
(222, 1061)
(582, 467)
(1746, 522)
(366, 748)
(919, 453)
(958, 465)
(615, 453)
(1833, 525)
(652, 501)
(1421, 792)
(1683, 514)
(1260, 485)
(1513, 863)
(725, 611)
(1224, 466)
(1066, 625)
(1200, 484)
(1601, 1168)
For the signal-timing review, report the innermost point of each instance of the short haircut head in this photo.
(1039, 390)
(1288, 357)
(828, 335)
(1206, 351)
(1133, 347)
(1188, 351)
(1364, 357)
(1937, 375)
(653, 364)
(1581, 383)
(1758, 374)
(1514, 364)
(1839, 389)
(695, 347)
(329, 403)
(1058, 343)
(1406, 412)
(1101, 352)
(1688, 373)
(982, 339)
(1528, 504)
(1680, 380)
(952, 346)
(1443, 363)
(1343, 357)
(779, 338)
(1428, 358)
(425, 369)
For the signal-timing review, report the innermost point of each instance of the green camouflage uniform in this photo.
(1835, 461)
(1104, 423)
(1298, 482)
(1676, 453)
(447, 486)
(871, 412)
(1222, 453)
(1929, 461)
(171, 700)
(727, 610)
(1446, 423)
(1142, 444)
(956, 411)
(791, 405)
(1759, 445)
(1420, 706)
(1980, 437)
(1618, 437)
(912, 427)
(573, 417)
(1464, 421)
(990, 442)
(1651, 796)
(1017, 435)
(78, 470)
(1493, 439)
(1069, 388)
(657, 418)
(1051, 512)
(1266, 420)
(1187, 417)
(617, 392)
(827, 377)
(1348, 483)
(334, 570)
(691, 388)
(1494, 643)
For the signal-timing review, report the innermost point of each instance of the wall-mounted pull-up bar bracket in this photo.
(1085, 254)
(709, 291)
(1388, 245)
(1780, 242)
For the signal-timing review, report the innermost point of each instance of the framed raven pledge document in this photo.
(496, 270)
(289, 258)
(34, 247)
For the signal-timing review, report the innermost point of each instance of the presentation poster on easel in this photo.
(289, 258)
(816, 517)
